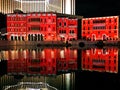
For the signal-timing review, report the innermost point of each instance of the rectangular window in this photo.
(99, 21)
(35, 28)
(34, 20)
(99, 27)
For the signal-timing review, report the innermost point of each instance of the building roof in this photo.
(58, 14)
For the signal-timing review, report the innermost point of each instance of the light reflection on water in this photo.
(58, 67)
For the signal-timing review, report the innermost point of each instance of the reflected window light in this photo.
(52, 54)
(99, 52)
(33, 54)
(12, 54)
(43, 54)
(87, 52)
(75, 53)
(16, 54)
(24, 54)
(62, 54)
(94, 51)
(6, 55)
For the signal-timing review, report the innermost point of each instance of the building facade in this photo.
(16, 27)
(59, 6)
(46, 26)
(67, 29)
(100, 28)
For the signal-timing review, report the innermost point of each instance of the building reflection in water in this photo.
(102, 60)
(54, 66)
(37, 65)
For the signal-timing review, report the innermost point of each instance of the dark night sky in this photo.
(89, 8)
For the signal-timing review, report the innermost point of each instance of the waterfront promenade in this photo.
(73, 44)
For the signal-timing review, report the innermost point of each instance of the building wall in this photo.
(41, 27)
(67, 29)
(16, 27)
(45, 26)
(100, 28)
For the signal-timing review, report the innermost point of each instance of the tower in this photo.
(59, 6)
(68, 7)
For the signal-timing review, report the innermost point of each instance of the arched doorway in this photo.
(12, 38)
(29, 37)
(104, 37)
(93, 37)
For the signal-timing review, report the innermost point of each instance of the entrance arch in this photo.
(104, 37)
(93, 37)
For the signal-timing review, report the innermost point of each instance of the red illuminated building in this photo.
(16, 27)
(100, 28)
(67, 29)
(102, 60)
(46, 26)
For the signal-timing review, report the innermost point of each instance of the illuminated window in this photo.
(83, 22)
(98, 21)
(115, 20)
(60, 24)
(64, 23)
(35, 28)
(34, 20)
(115, 31)
(115, 27)
(53, 20)
(83, 28)
(109, 27)
(109, 31)
(88, 22)
(110, 21)
(88, 28)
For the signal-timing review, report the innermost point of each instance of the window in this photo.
(115, 20)
(109, 27)
(64, 31)
(53, 20)
(110, 21)
(115, 31)
(35, 28)
(88, 28)
(115, 27)
(64, 23)
(88, 22)
(44, 20)
(83, 22)
(98, 21)
(60, 24)
(34, 20)
(99, 27)
(83, 28)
